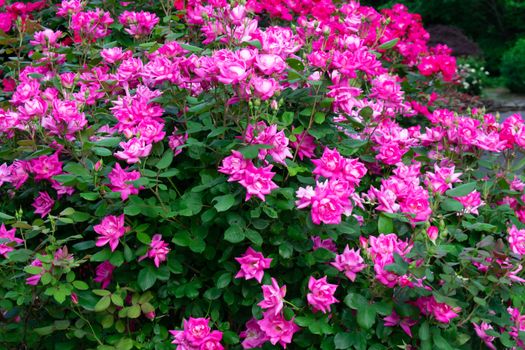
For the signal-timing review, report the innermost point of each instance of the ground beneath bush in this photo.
(503, 101)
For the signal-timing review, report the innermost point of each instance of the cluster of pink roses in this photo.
(440, 311)
(138, 24)
(197, 335)
(333, 197)
(402, 192)
(381, 250)
(273, 326)
(257, 181)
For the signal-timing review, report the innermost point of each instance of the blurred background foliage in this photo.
(494, 25)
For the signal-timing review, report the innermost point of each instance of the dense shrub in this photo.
(273, 174)
(494, 25)
(472, 75)
(513, 67)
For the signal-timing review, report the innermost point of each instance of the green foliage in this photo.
(513, 67)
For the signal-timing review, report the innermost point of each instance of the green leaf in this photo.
(166, 160)
(33, 270)
(518, 165)
(366, 112)
(108, 142)
(287, 118)
(366, 316)
(424, 331)
(295, 64)
(385, 224)
(389, 44)
(399, 267)
(343, 340)
(479, 226)
(134, 311)
(80, 285)
(146, 278)
(103, 255)
(451, 205)
(252, 151)
(6, 217)
(440, 342)
(117, 300)
(354, 300)
(191, 48)
(19, 255)
(61, 325)
(234, 234)
(224, 202)
(461, 190)
(255, 43)
(224, 280)
(103, 303)
(254, 236)
(101, 151)
(90, 196)
(44, 330)
(319, 117)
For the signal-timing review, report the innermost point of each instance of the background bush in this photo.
(513, 67)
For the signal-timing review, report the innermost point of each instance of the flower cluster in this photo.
(197, 334)
(257, 181)
(333, 197)
(402, 192)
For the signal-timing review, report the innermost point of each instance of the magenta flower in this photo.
(258, 181)
(234, 166)
(34, 279)
(471, 202)
(264, 88)
(120, 181)
(7, 238)
(158, 250)
(432, 233)
(254, 337)
(176, 140)
(517, 240)
(4, 174)
(273, 297)
(111, 229)
(133, 150)
(327, 244)
(138, 24)
(481, 330)
(45, 167)
(329, 165)
(263, 134)
(321, 294)
(253, 264)
(277, 328)
(104, 274)
(442, 312)
(405, 323)
(305, 145)
(43, 204)
(350, 262)
(442, 179)
(89, 25)
(197, 335)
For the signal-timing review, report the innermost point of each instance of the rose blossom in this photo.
(350, 262)
(253, 265)
(111, 229)
(321, 294)
(43, 204)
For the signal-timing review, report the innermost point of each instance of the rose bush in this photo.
(260, 174)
